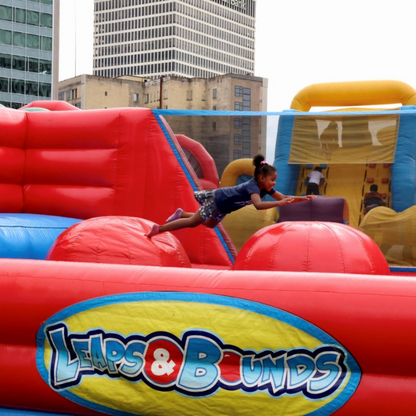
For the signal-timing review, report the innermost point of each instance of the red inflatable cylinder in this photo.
(372, 317)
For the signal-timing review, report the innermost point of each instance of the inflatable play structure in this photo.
(356, 151)
(306, 318)
(355, 147)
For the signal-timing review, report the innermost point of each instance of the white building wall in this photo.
(190, 38)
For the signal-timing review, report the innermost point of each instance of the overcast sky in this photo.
(298, 43)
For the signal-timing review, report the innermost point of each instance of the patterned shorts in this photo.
(208, 209)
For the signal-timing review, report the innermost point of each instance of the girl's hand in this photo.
(304, 198)
(286, 200)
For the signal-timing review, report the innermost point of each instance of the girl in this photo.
(216, 204)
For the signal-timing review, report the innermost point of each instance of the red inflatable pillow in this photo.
(118, 240)
(312, 246)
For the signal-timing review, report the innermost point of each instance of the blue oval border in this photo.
(231, 302)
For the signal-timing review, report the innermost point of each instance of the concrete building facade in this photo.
(28, 64)
(226, 138)
(186, 38)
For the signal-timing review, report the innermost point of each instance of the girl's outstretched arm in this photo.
(280, 200)
(278, 197)
(259, 204)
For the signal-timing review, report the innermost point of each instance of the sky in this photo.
(298, 43)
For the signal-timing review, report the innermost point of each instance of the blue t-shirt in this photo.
(236, 197)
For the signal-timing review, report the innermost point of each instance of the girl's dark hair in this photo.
(262, 167)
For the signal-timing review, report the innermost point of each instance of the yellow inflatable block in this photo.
(242, 224)
(394, 234)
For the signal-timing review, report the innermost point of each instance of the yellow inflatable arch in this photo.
(333, 94)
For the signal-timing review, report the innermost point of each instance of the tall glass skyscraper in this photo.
(190, 38)
(26, 44)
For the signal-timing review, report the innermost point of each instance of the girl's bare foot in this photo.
(153, 231)
(176, 215)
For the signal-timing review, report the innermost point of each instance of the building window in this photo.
(32, 41)
(238, 92)
(45, 90)
(45, 67)
(20, 16)
(214, 108)
(46, 43)
(237, 139)
(32, 18)
(33, 65)
(18, 63)
(246, 99)
(61, 96)
(238, 106)
(189, 95)
(5, 37)
(5, 60)
(214, 93)
(6, 13)
(136, 98)
(4, 84)
(19, 39)
(68, 95)
(105, 93)
(146, 99)
(32, 88)
(165, 94)
(214, 125)
(238, 123)
(46, 20)
(237, 154)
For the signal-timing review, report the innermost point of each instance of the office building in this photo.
(26, 51)
(185, 38)
(226, 138)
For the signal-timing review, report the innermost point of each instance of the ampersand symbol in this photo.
(162, 365)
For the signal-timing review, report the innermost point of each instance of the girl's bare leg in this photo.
(179, 213)
(193, 220)
(187, 220)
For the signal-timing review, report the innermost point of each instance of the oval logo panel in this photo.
(186, 353)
